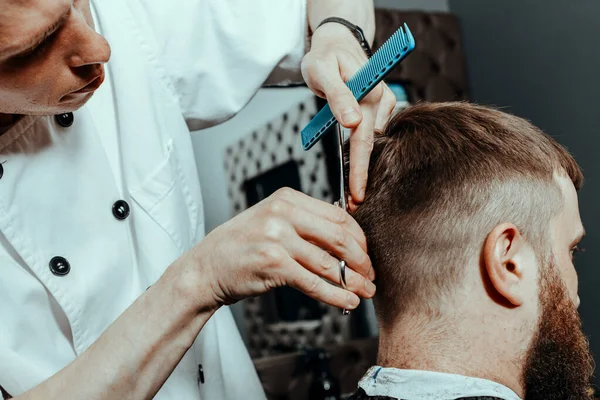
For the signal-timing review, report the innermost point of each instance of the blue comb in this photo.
(378, 67)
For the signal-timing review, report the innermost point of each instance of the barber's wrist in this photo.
(335, 34)
(356, 30)
(190, 288)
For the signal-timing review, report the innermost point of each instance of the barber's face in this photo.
(51, 58)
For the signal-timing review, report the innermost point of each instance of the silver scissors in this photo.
(342, 204)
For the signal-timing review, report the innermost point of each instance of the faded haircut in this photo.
(441, 177)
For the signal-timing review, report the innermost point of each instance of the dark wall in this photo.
(541, 59)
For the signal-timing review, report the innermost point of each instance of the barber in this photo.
(106, 289)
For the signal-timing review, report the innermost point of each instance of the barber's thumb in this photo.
(345, 108)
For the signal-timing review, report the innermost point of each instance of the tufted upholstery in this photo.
(436, 70)
(289, 377)
(266, 339)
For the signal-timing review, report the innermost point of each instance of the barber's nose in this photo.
(92, 50)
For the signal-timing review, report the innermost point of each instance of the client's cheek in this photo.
(571, 283)
(566, 270)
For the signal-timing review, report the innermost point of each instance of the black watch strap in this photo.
(356, 31)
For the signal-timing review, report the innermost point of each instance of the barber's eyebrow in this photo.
(38, 39)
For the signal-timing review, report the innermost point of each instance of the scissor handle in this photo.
(343, 281)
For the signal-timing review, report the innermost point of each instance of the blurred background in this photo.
(538, 60)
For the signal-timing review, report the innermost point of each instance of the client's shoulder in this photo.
(362, 395)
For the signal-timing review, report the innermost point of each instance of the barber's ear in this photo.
(503, 262)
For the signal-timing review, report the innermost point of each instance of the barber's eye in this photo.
(32, 53)
(576, 250)
(39, 48)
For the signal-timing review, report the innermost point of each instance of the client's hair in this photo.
(441, 177)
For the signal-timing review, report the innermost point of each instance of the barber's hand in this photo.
(334, 57)
(287, 239)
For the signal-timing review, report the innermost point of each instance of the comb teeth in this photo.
(398, 46)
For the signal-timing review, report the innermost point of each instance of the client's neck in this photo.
(469, 345)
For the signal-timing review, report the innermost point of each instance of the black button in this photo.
(120, 209)
(200, 374)
(65, 120)
(60, 266)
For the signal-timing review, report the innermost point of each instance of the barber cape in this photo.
(398, 384)
(95, 205)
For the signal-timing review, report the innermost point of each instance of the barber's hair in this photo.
(441, 177)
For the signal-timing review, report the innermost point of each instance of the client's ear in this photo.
(503, 262)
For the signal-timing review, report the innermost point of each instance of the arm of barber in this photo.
(287, 239)
(284, 240)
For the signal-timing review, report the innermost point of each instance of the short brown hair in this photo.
(441, 177)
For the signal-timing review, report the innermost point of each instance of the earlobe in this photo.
(500, 259)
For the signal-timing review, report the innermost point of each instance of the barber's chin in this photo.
(74, 101)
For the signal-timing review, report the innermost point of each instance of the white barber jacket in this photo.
(72, 257)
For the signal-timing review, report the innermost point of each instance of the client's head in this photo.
(472, 220)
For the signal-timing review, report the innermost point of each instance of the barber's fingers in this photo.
(314, 286)
(361, 146)
(384, 113)
(386, 108)
(331, 237)
(324, 77)
(324, 210)
(325, 265)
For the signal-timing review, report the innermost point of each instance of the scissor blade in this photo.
(342, 178)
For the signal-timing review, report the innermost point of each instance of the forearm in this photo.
(359, 12)
(137, 353)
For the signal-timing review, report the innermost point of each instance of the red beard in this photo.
(558, 364)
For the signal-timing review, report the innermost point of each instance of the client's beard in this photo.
(558, 364)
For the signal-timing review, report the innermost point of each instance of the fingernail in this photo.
(350, 116)
(353, 302)
(370, 287)
(371, 273)
(361, 194)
